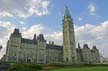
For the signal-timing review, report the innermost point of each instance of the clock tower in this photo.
(69, 49)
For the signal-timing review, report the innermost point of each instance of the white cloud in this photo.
(22, 22)
(35, 29)
(105, 24)
(23, 28)
(80, 19)
(92, 8)
(38, 7)
(92, 32)
(6, 25)
(55, 36)
(6, 29)
(5, 14)
(24, 8)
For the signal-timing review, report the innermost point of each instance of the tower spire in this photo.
(67, 14)
(69, 47)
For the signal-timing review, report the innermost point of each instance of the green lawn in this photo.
(82, 69)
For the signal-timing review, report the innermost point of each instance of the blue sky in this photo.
(45, 16)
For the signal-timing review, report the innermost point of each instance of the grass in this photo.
(82, 69)
(55, 67)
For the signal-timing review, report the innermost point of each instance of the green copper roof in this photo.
(67, 12)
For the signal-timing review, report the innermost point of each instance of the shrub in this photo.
(24, 67)
(56, 64)
(95, 65)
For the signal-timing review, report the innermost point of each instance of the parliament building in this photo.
(37, 50)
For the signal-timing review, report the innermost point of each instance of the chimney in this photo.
(49, 42)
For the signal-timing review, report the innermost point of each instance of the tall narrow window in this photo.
(67, 59)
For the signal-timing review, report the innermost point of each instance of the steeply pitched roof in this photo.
(67, 16)
(28, 41)
(85, 46)
(55, 47)
(78, 50)
(92, 51)
(41, 37)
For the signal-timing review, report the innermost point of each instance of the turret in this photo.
(94, 48)
(79, 46)
(96, 54)
(13, 46)
(41, 53)
(34, 39)
(41, 38)
(79, 55)
(16, 33)
(86, 54)
(85, 46)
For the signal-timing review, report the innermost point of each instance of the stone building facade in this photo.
(36, 50)
(32, 50)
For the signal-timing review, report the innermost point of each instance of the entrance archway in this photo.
(29, 60)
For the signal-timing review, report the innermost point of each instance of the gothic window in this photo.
(67, 59)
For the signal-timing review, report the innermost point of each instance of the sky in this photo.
(45, 16)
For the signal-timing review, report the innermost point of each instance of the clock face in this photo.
(65, 19)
